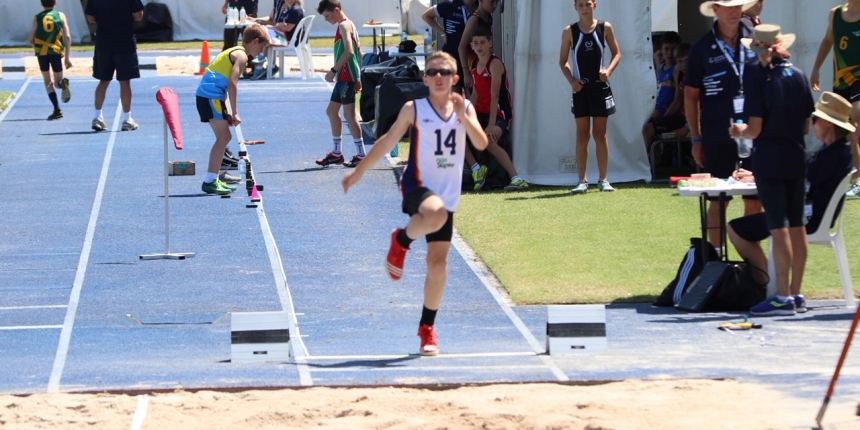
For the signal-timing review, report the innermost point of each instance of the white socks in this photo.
(359, 148)
(337, 144)
(210, 177)
(126, 116)
(98, 114)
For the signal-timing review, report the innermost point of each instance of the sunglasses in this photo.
(434, 72)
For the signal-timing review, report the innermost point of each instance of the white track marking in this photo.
(30, 327)
(399, 356)
(15, 308)
(140, 412)
(435, 370)
(492, 284)
(68, 324)
(299, 350)
(15, 100)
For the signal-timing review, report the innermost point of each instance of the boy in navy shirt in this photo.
(778, 102)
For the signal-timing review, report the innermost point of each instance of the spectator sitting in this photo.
(825, 171)
(658, 60)
(675, 119)
(665, 76)
(284, 18)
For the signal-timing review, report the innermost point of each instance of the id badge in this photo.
(738, 102)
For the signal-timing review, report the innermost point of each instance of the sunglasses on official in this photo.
(434, 72)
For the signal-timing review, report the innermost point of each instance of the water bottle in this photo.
(241, 167)
(242, 14)
(403, 36)
(744, 145)
(428, 40)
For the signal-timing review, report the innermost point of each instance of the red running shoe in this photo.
(428, 340)
(396, 255)
(330, 159)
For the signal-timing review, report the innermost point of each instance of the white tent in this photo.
(192, 19)
(544, 130)
(15, 23)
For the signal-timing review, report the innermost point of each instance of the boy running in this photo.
(843, 35)
(346, 71)
(52, 40)
(222, 80)
(430, 183)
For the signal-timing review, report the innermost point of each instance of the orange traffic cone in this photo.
(204, 58)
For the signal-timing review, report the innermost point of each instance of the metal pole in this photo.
(166, 195)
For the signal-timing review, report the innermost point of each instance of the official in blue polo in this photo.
(713, 86)
(779, 104)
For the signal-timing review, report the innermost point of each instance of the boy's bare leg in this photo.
(431, 216)
(333, 113)
(46, 78)
(799, 249)
(648, 135)
(222, 138)
(125, 96)
(101, 90)
(503, 158)
(714, 224)
(752, 252)
(352, 120)
(437, 273)
(782, 256)
(601, 145)
(752, 206)
(583, 135)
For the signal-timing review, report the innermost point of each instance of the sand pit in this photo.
(662, 404)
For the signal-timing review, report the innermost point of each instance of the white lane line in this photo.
(140, 412)
(299, 350)
(492, 285)
(15, 100)
(398, 356)
(30, 327)
(68, 324)
(15, 308)
(435, 369)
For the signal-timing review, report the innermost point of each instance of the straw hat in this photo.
(834, 108)
(765, 36)
(707, 9)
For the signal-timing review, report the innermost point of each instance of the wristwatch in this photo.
(333, 70)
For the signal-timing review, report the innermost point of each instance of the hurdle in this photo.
(169, 102)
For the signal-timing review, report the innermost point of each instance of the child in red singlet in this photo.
(481, 18)
(492, 99)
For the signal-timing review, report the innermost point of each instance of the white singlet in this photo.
(436, 151)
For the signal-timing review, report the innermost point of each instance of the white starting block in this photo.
(576, 329)
(259, 337)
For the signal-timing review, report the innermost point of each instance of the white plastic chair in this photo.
(299, 45)
(824, 236)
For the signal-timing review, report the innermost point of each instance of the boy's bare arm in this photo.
(497, 69)
(429, 16)
(32, 36)
(563, 55)
(823, 50)
(239, 63)
(473, 127)
(67, 40)
(678, 101)
(383, 146)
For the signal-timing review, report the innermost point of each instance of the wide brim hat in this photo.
(767, 35)
(707, 9)
(834, 108)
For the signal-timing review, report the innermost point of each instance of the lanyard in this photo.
(731, 59)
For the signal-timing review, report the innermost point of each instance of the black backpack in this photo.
(690, 268)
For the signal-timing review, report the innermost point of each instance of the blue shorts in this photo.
(783, 201)
(210, 109)
(343, 93)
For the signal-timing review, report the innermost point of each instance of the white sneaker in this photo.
(99, 124)
(225, 177)
(129, 125)
(603, 185)
(580, 188)
(854, 191)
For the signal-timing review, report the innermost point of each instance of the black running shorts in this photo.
(413, 201)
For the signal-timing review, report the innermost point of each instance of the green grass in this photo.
(547, 246)
(5, 98)
(317, 42)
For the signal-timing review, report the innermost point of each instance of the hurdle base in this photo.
(170, 256)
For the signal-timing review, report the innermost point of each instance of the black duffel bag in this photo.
(371, 76)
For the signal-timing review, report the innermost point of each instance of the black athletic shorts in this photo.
(783, 201)
(593, 100)
(343, 93)
(125, 66)
(413, 201)
(54, 61)
(851, 94)
(210, 109)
